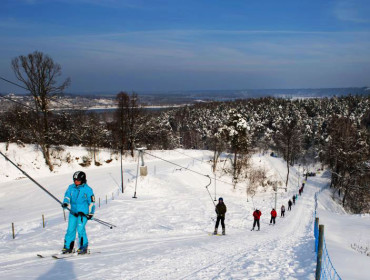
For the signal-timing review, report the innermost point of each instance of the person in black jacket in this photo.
(290, 205)
(282, 211)
(220, 211)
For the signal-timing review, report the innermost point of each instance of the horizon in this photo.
(210, 91)
(167, 46)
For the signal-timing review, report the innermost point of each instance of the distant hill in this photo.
(106, 100)
(184, 97)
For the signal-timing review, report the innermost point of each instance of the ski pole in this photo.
(49, 193)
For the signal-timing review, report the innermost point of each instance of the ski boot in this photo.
(82, 251)
(223, 231)
(215, 232)
(67, 251)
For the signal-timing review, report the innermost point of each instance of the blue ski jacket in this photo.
(81, 198)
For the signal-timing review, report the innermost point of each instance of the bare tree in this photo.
(39, 74)
(127, 118)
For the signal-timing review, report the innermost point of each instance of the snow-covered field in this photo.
(163, 233)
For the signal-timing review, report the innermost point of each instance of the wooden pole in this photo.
(121, 172)
(13, 230)
(319, 252)
(137, 173)
(43, 221)
(315, 230)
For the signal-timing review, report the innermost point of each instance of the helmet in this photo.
(80, 176)
(221, 199)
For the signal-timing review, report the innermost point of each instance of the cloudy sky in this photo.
(163, 45)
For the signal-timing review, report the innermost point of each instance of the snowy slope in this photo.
(347, 236)
(163, 234)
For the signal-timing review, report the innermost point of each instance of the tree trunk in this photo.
(332, 180)
(287, 175)
(344, 198)
(235, 162)
(46, 154)
(214, 161)
(94, 149)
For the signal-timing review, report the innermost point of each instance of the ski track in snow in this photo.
(163, 234)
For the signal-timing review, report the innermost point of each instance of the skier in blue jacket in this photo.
(81, 199)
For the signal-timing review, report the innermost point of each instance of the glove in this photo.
(90, 216)
(64, 205)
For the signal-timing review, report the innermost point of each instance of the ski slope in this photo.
(164, 232)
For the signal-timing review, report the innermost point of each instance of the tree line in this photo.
(334, 131)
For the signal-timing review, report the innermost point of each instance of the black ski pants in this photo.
(289, 207)
(222, 219)
(282, 213)
(256, 222)
(272, 220)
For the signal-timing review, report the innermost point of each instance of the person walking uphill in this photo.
(257, 215)
(220, 211)
(81, 199)
(282, 211)
(273, 216)
(290, 203)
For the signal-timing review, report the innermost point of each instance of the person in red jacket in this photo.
(257, 215)
(273, 216)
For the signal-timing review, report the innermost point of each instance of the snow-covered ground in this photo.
(164, 232)
(347, 236)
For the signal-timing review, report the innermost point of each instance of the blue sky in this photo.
(112, 45)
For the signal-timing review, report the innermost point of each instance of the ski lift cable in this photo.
(2, 78)
(33, 109)
(20, 103)
(210, 181)
(24, 105)
(51, 195)
(201, 174)
(188, 156)
(6, 80)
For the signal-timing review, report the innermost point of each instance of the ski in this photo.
(43, 256)
(64, 256)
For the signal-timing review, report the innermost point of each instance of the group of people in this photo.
(80, 197)
(221, 211)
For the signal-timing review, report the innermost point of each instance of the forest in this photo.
(333, 131)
